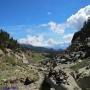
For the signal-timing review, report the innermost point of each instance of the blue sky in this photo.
(49, 23)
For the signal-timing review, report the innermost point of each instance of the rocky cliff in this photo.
(81, 39)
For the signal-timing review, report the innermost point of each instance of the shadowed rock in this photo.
(27, 81)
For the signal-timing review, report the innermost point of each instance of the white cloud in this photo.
(39, 41)
(76, 21)
(42, 25)
(49, 13)
(67, 38)
(53, 42)
(33, 40)
(58, 28)
(73, 22)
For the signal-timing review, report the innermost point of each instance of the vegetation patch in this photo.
(79, 65)
(38, 57)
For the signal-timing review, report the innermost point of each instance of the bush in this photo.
(80, 65)
(10, 60)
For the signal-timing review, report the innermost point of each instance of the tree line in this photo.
(6, 41)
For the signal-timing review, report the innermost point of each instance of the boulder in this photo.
(61, 80)
(1, 52)
(25, 61)
(84, 79)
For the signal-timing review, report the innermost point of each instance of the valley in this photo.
(24, 68)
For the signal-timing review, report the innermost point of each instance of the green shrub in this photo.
(10, 60)
(80, 65)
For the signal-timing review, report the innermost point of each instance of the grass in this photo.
(80, 65)
(38, 57)
(17, 72)
(10, 60)
(10, 68)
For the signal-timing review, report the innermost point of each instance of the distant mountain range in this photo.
(41, 49)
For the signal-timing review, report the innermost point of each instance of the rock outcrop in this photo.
(84, 79)
(81, 39)
(60, 78)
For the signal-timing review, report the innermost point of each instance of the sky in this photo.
(44, 23)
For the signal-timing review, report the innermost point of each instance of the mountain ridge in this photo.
(41, 49)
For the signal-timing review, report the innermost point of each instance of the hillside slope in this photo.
(18, 66)
(81, 39)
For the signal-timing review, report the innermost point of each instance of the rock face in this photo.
(59, 79)
(84, 79)
(1, 52)
(81, 39)
(25, 61)
(81, 43)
